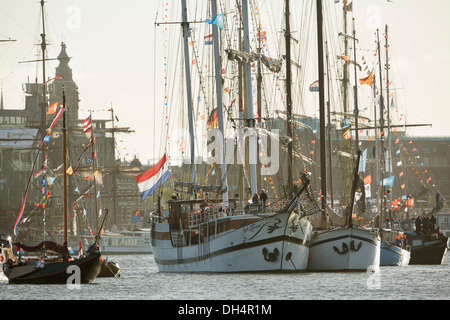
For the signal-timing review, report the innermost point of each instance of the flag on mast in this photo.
(153, 178)
(218, 20)
(87, 124)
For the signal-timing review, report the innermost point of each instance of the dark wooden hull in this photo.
(55, 272)
(428, 254)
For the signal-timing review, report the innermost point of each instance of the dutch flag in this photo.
(153, 178)
(314, 87)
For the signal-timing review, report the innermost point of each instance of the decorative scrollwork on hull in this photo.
(294, 226)
(274, 227)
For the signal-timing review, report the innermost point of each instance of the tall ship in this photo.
(204, 233)
(337, 244)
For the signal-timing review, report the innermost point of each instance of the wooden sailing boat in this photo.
(108, 268)
(223, 235)
(57, 269)
(345, 248)
(423, 246)
(391, 253)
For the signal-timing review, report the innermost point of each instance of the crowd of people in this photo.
(425, 225)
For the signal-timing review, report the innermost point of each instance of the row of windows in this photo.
(7, 120)
(438, 161)
(122, 242)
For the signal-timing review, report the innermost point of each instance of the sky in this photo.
(112, 46)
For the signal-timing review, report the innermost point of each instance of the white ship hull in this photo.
(344, 249)
(241, 243)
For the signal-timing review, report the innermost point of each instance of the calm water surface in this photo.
(140, 280)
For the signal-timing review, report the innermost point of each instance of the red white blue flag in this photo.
(314, 87)
(153, 178)
(209, 39)
(87, 124)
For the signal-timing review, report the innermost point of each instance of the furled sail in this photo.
(273, 65)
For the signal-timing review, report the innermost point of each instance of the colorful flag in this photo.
(213, 120)
(52, 109)
(388, 182)
(218, 20)
(368, 80)
(55, 120)
(314, 87)
(153, 178)
(262, 36)
(348, 7)
(347, 135)
(208, 39)
(87, 124)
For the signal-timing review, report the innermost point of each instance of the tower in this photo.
(71, 89)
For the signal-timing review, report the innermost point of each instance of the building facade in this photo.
(21, 133)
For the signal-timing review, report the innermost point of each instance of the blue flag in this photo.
(388, 182)
(136, 217)
(218, 20)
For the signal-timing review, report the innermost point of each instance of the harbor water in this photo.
(140, 280)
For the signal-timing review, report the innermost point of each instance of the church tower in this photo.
(70, 87)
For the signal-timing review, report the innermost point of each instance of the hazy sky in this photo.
(111, 43)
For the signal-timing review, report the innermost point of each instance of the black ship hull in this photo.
(429, 252)
(62, 272)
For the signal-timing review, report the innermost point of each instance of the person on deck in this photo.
(263, 197)
(255, 199)
(419, 226)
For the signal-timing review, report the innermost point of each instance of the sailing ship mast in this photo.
(250, 115)
(186, 34)
(329, 127)
(44, 87)
(323, 173)
(355, 90)
(94, 171)
(388, 106)
(65, 202)
(218, 78)
(345, 83)
(287, 36)
(383, 151)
